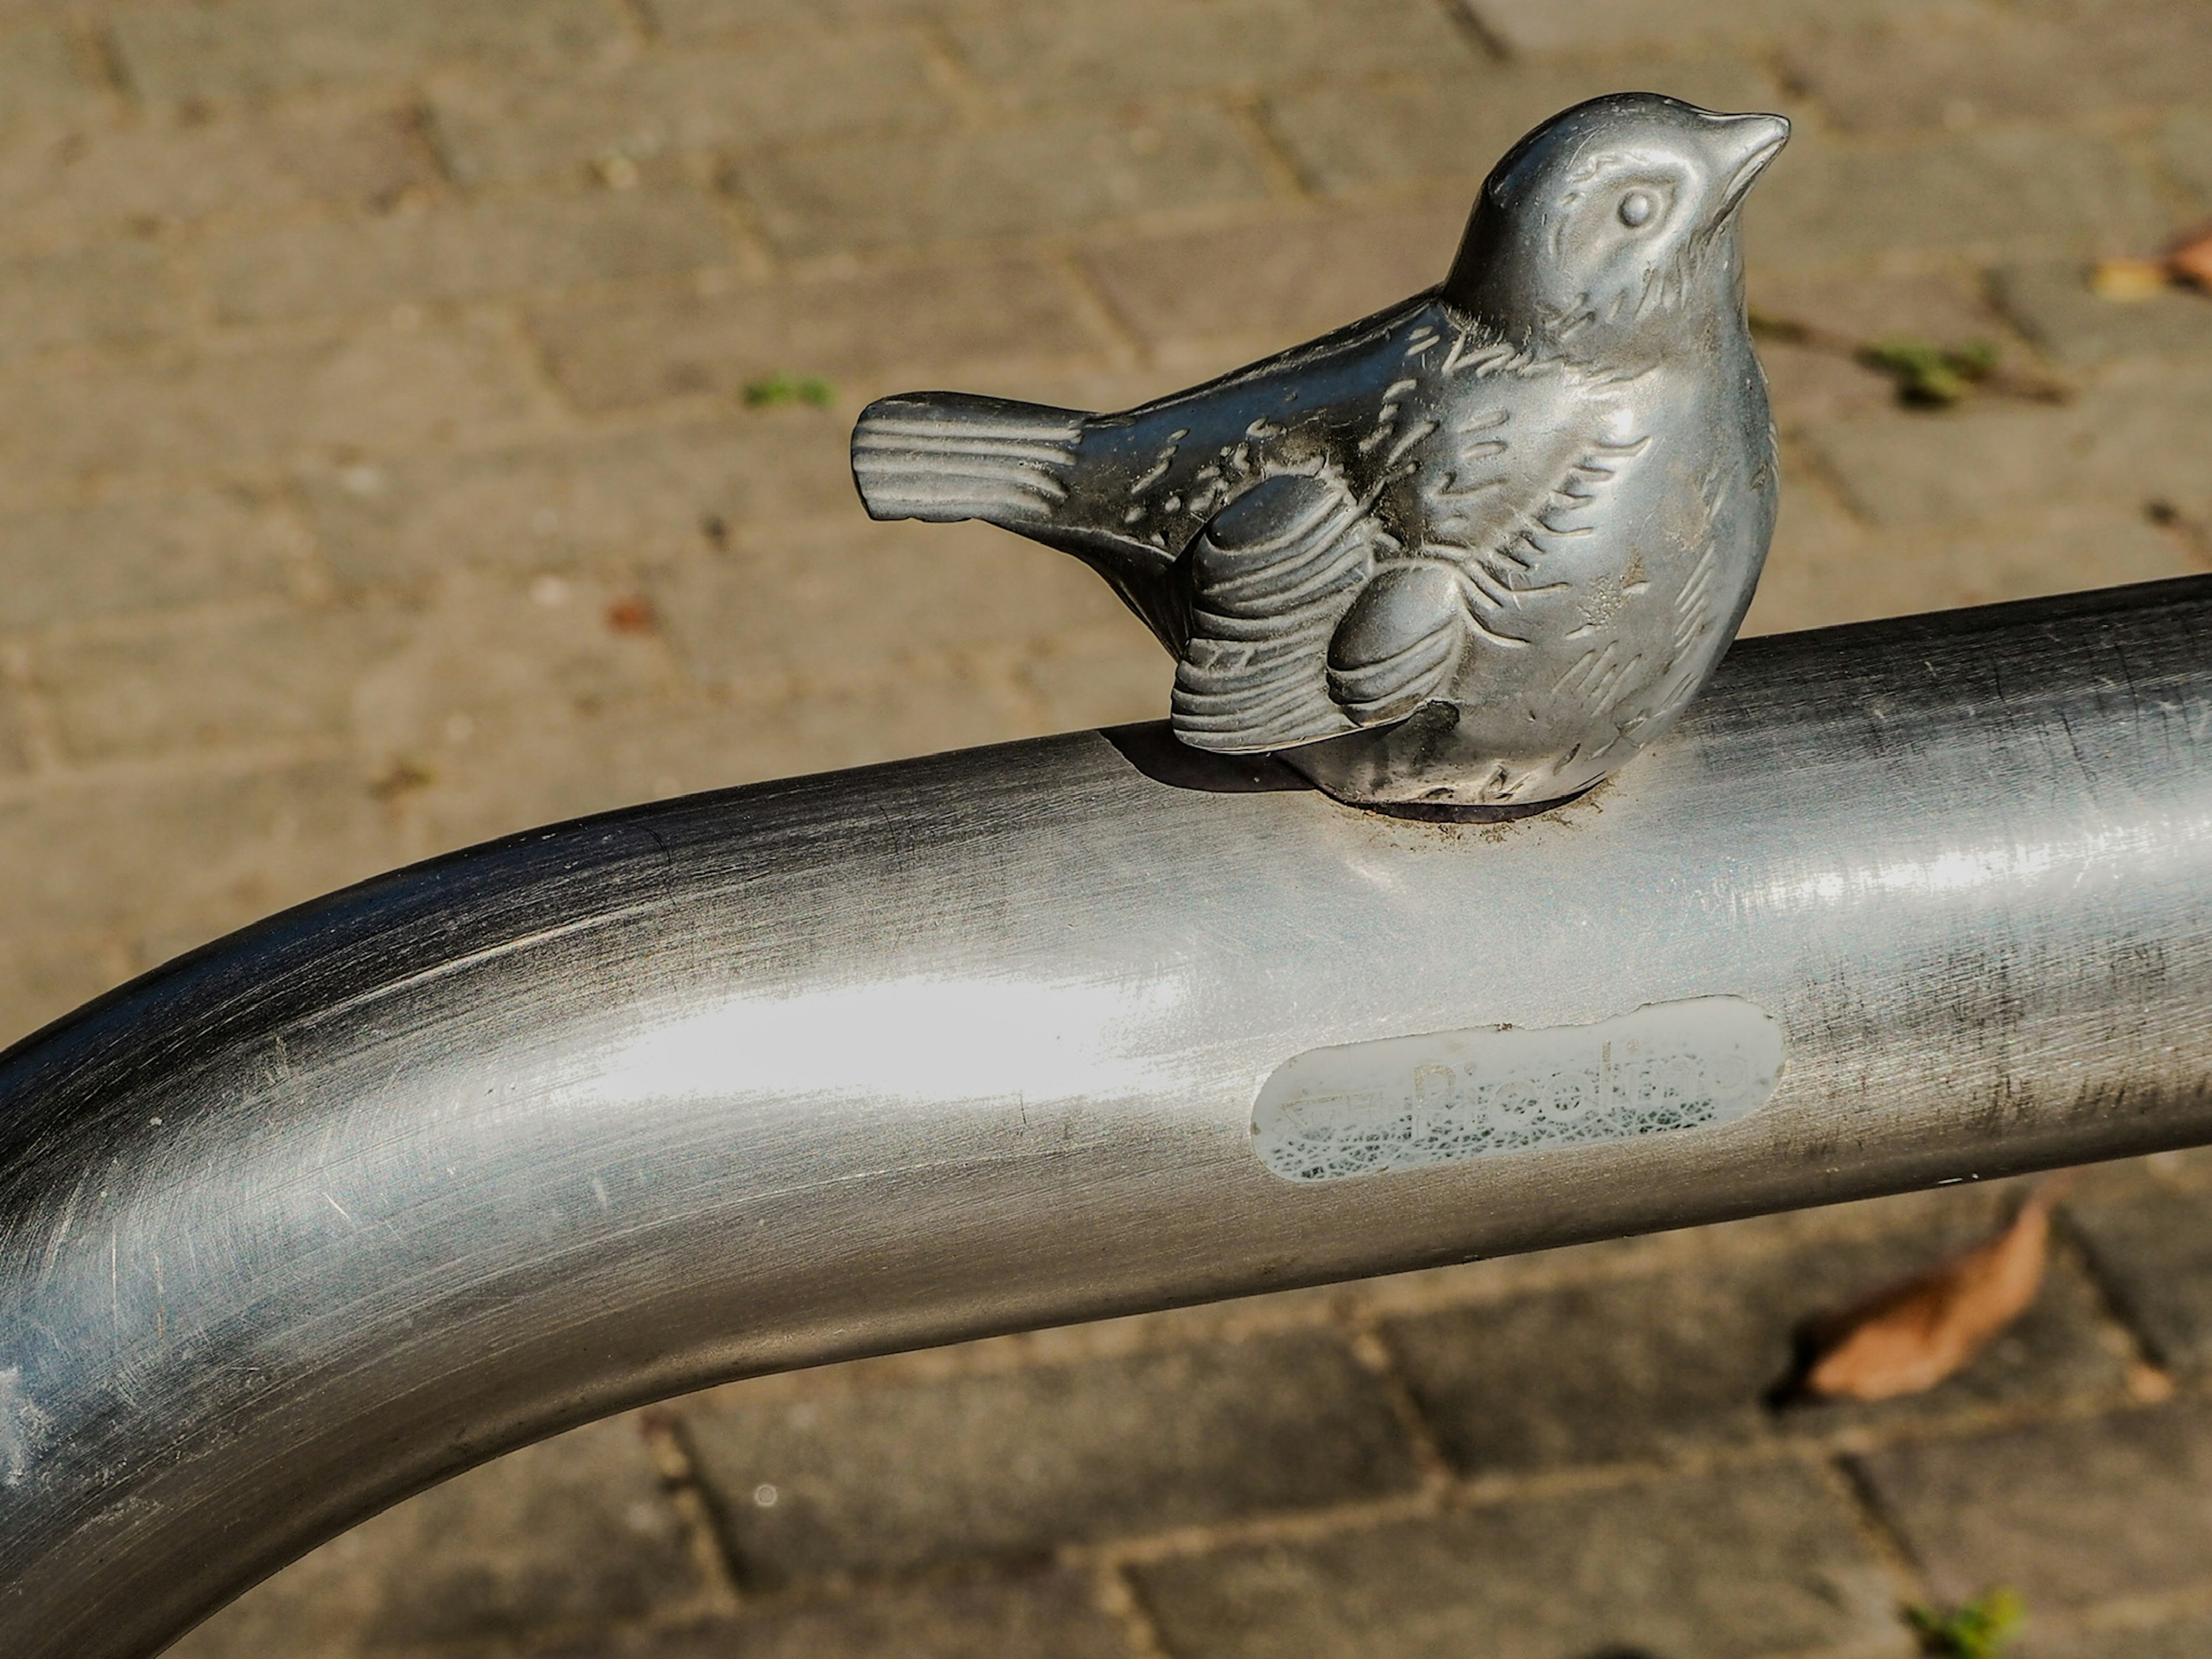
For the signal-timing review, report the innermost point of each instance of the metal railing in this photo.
(390, 1183)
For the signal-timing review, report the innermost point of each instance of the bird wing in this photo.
(1270, 576)
(1347, 593)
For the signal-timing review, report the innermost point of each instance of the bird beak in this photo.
(1747, 143)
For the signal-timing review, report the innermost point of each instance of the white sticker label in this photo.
(1405, 1103)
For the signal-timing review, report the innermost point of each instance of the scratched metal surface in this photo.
(846, 1064)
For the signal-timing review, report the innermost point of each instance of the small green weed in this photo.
(1982, 1629)
(1931, 375)
(1927, 375)
(780, 389)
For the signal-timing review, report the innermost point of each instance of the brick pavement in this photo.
(377, 475)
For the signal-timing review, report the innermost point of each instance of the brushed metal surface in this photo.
(1483, 546)
(392, 1183)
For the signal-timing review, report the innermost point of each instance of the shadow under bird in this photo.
(1474, 550)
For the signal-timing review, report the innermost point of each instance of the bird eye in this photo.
(1635, 208)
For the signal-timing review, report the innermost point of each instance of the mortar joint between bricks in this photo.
(1871, 1518)
(31, 713)
(1463, 17)
(1249, 110)
(1126, 348)
(2150, 1374)
(948, 70)
(96, 41)
(1117, 1597)
(639, 15)
(679, 1479)
(1364, 1333)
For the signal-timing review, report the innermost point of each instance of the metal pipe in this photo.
(395, 1181)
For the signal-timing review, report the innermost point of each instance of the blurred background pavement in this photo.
(423, 419)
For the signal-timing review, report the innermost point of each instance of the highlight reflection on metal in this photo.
(1477, 550)
(855, 1063)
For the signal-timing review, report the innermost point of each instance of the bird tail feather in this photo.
(946, 455)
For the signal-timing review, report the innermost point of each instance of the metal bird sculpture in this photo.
(1474, 550)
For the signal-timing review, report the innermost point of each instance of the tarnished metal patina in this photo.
(1475, 550)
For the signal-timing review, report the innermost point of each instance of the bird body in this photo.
(1475, 550)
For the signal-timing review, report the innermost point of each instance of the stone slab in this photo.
(577, 1528)
(1660, 1365)
(2153, 1249)
(1047, 1615)
(2074, 1512)
(1750, 1562)
(1057, 174)
(1012, 1466)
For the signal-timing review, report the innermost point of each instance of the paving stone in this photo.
(190, 856)
(575, 1528)
(119, 294)
(258, 49)
(1261, 287)
(43, 977)
(2075, 1512)
(1012, 1466)
(1061, 52)
(1113, 675)
(2053, 306)
(2183, 1638)
(810, 604)
(649, 112)
(1755, 1561)
(684, 21)
(1051, 1615)
(2153, 1249)
(500, 247)
(1353, 136)
(1809, 383)
(14, 752)
(971, 318)
(44, 78)
(384, 388)
(1946, 305)
(1657, 1365)
(1029, 179)
(2186, 138)
(1829, 200)
(145, 549)
(263, 680)
(1820, 574)
(481, 653)
(160, 171)
(1998, 67)
(1572, 27)
(618, 501)
(2130, 439)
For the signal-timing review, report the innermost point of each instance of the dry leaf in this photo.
(2129, 279)
(1913, 1334)
(2190, 261)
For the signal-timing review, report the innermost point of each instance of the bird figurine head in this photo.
(1473, 551)
(1611, 229)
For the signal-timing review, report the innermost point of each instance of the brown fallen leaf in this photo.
(2190, 259)
(633, 614)
(1914, 1333)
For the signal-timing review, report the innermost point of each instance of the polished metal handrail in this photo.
(394, 1182)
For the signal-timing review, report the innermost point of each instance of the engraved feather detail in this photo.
(1272, 575)
(945, 457)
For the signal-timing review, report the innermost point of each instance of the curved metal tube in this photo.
(397, 1181)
